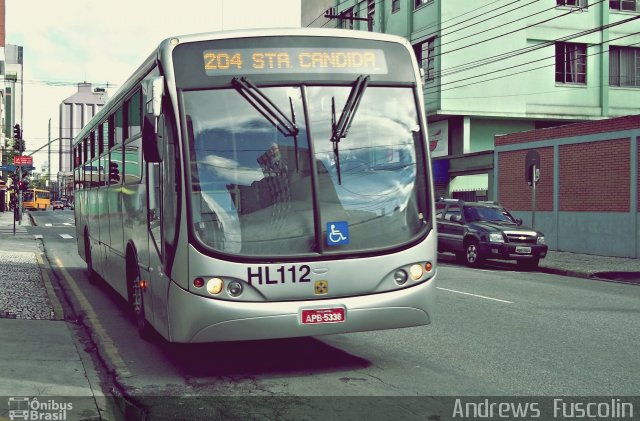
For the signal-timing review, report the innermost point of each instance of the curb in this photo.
(565, 272)
(58, 313)
(629, 278)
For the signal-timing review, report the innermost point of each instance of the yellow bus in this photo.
(35, 199)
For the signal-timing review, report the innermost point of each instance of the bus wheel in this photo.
(137, 307)
(91, 274)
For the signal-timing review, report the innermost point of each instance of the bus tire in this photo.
(91, 274)
(136, 300)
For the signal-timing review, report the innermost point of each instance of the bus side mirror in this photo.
(153, 137)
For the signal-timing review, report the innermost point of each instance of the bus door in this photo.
(163, 202)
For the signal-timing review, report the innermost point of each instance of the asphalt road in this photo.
(495, 332)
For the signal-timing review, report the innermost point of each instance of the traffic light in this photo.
(23, 185)
(18, 142)
(114, 172)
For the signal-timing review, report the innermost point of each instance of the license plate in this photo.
(324, 315)
(523, 250)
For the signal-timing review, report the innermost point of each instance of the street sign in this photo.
(532, 176)
(532, 167)
(7, 168)
(22, 160)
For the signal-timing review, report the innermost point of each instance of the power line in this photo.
(466, 13)
(58, 83)
(530, 62)
(521, 51)
(484, 20)
(433, 24)
(545, 44)
(513, 31)
(528, 70)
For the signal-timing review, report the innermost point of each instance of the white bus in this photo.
(263, 184)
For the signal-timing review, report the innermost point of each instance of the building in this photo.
(588, 197)
(492, 68)
(11, 96)
(75, 112)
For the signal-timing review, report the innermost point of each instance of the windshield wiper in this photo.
(340, 128)
(270, 111)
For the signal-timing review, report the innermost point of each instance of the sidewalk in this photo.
(621, 269)
(39, 359)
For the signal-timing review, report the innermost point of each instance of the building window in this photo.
(425, 55)
(571, 63)
(395, 6)
(572, 3)
(371, 11)
(625, 5)
(418, 3)
(345, 19)
(624, 66)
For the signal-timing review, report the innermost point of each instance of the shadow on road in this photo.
(248, 358)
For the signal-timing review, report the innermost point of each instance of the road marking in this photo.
(66, 236)
(67, 224)
(476, 295)
(92, 318)
(48, 225)
(37, 237)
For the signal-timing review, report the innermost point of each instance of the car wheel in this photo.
(472, 254)
(529, 264)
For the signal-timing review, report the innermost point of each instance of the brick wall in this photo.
(571, 130)
(594, 176)
(513, 191)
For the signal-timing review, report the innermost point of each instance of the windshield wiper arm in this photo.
(340, 128)
(270, 111)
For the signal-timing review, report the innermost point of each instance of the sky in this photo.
(102, 42)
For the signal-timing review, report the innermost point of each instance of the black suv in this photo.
(475, 231)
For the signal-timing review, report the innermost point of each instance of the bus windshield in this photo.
(261, 191)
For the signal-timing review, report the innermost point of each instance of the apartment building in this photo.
(498, 67)
(75, 113)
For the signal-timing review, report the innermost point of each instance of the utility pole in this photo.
(49, 156)
(19, 146)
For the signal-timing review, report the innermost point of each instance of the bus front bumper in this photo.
(193, 318)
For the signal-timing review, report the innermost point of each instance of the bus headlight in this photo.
(234, 288)
(416, 272)
(214, 286)
(400, 276)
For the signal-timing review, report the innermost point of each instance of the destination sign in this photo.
(294, 60)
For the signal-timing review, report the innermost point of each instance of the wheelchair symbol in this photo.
(337, 233)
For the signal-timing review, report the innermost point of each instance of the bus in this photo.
(263, 184)
(36, 199)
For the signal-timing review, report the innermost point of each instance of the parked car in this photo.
(57, 204)
(475, 231)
